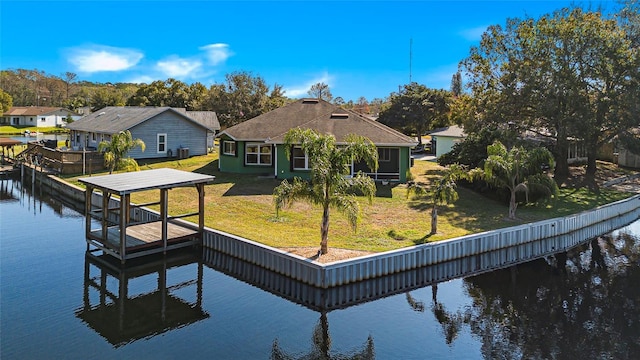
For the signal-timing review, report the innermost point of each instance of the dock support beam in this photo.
(200, 188)
(164, 209)
(87, 212)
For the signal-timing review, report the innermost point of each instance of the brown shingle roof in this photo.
(320, 116)
(33, 110)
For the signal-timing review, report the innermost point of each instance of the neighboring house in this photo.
(166, 132)
(256, 146)
(209, 119)
(38, 116)
(442, 140)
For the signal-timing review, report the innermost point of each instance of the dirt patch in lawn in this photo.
(334, 254)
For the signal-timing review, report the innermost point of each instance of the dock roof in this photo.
(127, 183)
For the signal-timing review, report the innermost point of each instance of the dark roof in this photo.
(320, 116)
(113, 119)
(207, 118)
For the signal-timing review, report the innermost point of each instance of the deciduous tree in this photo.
(6, 102)
(570, 74)
(417, 109)
(320, 91)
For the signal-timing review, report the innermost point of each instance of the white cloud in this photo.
(303, 89)
(217, 53)
(473, 34)
(177, 67)
(99, 58)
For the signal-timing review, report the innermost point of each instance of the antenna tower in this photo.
(410, 57)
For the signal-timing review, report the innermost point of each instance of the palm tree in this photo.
(442, 192)
(329, 185)
(116, 150)
(518, 170)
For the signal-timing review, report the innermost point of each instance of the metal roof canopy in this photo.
(127, 183)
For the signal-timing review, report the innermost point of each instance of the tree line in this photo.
(240, 97)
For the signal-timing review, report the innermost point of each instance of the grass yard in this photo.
(243, 205)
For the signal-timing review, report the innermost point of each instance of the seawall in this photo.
(515, 244)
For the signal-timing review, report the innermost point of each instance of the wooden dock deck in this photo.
(144, 236)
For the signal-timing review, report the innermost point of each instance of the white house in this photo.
(444, 139)
(38, 116)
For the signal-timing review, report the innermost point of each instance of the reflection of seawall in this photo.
(337, 297)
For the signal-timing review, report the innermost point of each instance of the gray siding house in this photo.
(166, 132)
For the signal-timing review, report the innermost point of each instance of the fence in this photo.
(66, 161)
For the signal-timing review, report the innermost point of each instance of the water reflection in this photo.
(567, 302)
(321, 346)
(122, 317)
(586, 308)
(34, 196)
(345, 296)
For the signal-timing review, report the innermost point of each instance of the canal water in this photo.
(58, 303)
(38, 137)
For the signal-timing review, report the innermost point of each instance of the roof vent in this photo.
(100, 114)
(339, 116)
(310, 101)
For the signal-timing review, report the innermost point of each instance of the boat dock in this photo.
(123, 237)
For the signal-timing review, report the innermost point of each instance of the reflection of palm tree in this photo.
(415, 305)
(451, 323)
(597, 260)
(322, 345)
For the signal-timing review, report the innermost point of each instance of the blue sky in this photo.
(358, 48)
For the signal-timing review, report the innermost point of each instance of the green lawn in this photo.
(243, 205)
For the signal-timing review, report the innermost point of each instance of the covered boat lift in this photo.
(126, 239)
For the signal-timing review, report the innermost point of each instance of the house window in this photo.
(162, 143)
(258, 154)
(31, 119)
(43, 119)
(93, 136)
(299, 159)
(384, 154)
(229, 148)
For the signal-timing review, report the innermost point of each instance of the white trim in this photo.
(165, 143)
(258, 154)
(306, 160)
(235, 148)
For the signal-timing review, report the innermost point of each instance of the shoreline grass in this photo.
(243, 205)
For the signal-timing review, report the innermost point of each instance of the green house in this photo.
(256, 146)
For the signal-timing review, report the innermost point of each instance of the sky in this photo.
(359, 48)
